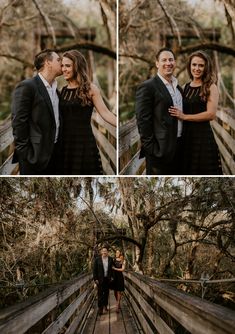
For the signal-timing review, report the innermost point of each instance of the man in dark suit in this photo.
(102, 274)
(36, 118)
(160, 132)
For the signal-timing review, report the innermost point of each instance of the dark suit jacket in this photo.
(98, 269)
(157, 128)
(33, 123)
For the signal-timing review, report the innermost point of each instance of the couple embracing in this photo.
(52, 130)
(174, 123)
(107, 274)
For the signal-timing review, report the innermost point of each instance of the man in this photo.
(102, 274)
(159, 131)
(35, 118)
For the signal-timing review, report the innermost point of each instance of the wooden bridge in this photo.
(148, 307)
(104, 133)
(224, 131)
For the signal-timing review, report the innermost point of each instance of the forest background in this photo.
(183, 25)
(166, 227)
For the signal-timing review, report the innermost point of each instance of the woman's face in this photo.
(118, 253)
(67, 68)
(197, 67)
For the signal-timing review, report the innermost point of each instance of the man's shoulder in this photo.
(149, 82)
(29, 82)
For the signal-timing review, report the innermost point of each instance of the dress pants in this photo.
(53, 168)
(103, 293)
(156, 166)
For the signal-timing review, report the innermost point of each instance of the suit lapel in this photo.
(162, 87)
(43, 91)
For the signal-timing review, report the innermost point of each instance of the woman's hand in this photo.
(175, 112)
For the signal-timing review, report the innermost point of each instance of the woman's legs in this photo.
(119, 296)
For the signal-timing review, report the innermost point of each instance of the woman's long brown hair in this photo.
(208, 77)
(80, 69)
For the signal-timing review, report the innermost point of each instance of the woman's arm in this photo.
(207, 115)
(101, 107)
(122, 268)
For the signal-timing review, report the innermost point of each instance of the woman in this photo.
(118, 282)
(78, 98)
(200, 101)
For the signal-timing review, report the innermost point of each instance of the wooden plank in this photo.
(134, 166)
(105, 144)
(202, 316)
(8, 168)
(6, 135)
(158, 323)
(228, 139)
(128, 136)
(78, 322)
(229, 161)
(144, 324)
(111, 322)
(98, 119)
(226, 117)
(106, 165)
(24, 315)
(59, 323)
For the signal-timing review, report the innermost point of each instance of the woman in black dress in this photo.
(200, 101)
(77, 100)
(118, 282)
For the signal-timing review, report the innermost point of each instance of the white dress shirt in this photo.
(176, 97)
(105, 265)
(51, 89)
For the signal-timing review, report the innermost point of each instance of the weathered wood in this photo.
(149, 311)
(129, 149)
(111, 322)
(193, 313)
(21, 317)
(8, 168)
(59, 323)
(79, 321)
(5, 135)
(135, 166)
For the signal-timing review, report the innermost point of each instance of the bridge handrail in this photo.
(129, 149)
(105, 136)
(23, 316)
(163, 308)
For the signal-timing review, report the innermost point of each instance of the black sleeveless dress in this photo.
(80, 152)
(118, 282)
(200, 151)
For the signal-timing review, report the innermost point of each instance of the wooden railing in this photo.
(106, 139)
(224, 131)
(6, 150)
(104, 133)
(160, 308)
(129, 150)
(61, 307)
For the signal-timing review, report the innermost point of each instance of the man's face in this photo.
(104, 252)
(166, 64)
(55, 64)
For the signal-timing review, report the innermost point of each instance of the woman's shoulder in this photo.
(214, 89)
(94, 90)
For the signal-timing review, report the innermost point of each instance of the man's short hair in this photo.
(41, 57)
(162, 50)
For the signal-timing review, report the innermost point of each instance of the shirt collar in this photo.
(46, 83)
(173, 80)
